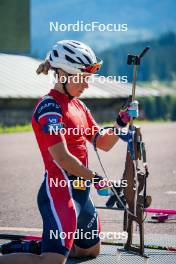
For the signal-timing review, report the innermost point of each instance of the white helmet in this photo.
(73, 57)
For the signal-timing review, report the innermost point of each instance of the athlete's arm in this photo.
(104, 142)
(68, 162)
(48, 115)
(107, 141)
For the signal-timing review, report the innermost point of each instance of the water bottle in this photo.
(133, 109)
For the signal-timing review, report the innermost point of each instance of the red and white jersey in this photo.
(56, 118)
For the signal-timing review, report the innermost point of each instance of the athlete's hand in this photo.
(128, 110)
(103, 186)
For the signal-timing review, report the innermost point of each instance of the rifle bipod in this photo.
(135, 192)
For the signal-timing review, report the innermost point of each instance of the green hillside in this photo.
(159, 64)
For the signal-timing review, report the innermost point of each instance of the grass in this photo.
(28, 127)
(15, 129)
(137, 122)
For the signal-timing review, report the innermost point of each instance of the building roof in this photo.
(18, 79)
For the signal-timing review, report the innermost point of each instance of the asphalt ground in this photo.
(21, 173)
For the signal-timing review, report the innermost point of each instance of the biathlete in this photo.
(64, 197)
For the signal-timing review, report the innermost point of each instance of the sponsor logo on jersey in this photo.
(52, 119)
(47, 105)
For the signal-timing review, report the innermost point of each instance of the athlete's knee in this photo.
(54, 258)
(91, 252)
(94, 251)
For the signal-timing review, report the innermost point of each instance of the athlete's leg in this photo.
(88, 227)
(59, 217)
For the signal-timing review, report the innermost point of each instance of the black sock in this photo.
(33, 247)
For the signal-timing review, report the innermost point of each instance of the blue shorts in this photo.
(69, 216)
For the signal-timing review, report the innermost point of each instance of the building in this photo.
(20, 87)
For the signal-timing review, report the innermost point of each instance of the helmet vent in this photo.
(76, 42)
(87, 58)
(55, 53)
(69, 50)
(72, 45)
(50, 58)
(70, 59)
(80, 60)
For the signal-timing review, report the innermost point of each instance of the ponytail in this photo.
(43, 68)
